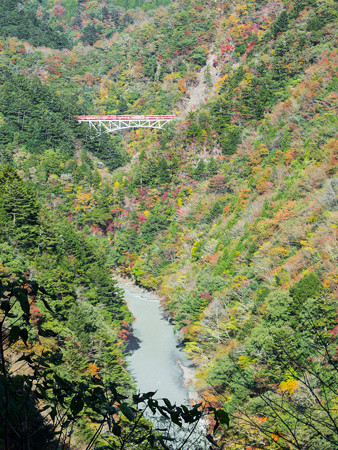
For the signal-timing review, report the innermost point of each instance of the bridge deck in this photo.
(111, 117)
(111, 123)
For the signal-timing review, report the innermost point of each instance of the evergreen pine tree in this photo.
(163, 171)
(200, 170)
(19, 212)
(280, 24)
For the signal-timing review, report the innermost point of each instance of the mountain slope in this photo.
(230, 212)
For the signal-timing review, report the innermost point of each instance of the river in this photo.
(155, 361)
(157, 364)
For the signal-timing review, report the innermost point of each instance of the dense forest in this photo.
(229, 213)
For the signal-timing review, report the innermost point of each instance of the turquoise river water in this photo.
(155, 361)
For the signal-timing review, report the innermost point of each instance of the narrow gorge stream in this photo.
(155, 362)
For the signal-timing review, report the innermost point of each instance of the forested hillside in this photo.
(230, 212)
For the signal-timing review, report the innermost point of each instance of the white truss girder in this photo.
(109, 124)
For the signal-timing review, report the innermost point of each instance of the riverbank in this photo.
(189, 382)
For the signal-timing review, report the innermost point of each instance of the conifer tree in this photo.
(163, 171)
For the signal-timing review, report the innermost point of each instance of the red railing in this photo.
(125, 117)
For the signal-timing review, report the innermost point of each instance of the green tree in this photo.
(280, 24)
(200, 172)
(109, 149)
(19, 212)
(90, 33)
(164, 174)
(20, 20)
(308, 287)
(230, 139)
(199, 56)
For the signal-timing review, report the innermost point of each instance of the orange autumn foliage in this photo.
(92, 368)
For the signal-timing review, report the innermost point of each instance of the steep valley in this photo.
(229, 214)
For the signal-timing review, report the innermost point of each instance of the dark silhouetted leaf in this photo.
(22, 297)
(223, 417)
(210, 439)
(167, 403)
(149, 395)
(46, 333)
(5, 306)
(24, 335)
(44, 301)
(76, 405)
(175, 418)
(14, 334)
(116, 430)
(53, 413)
(127, 411)
(25, 358)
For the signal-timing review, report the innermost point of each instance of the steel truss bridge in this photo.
(109, 124)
